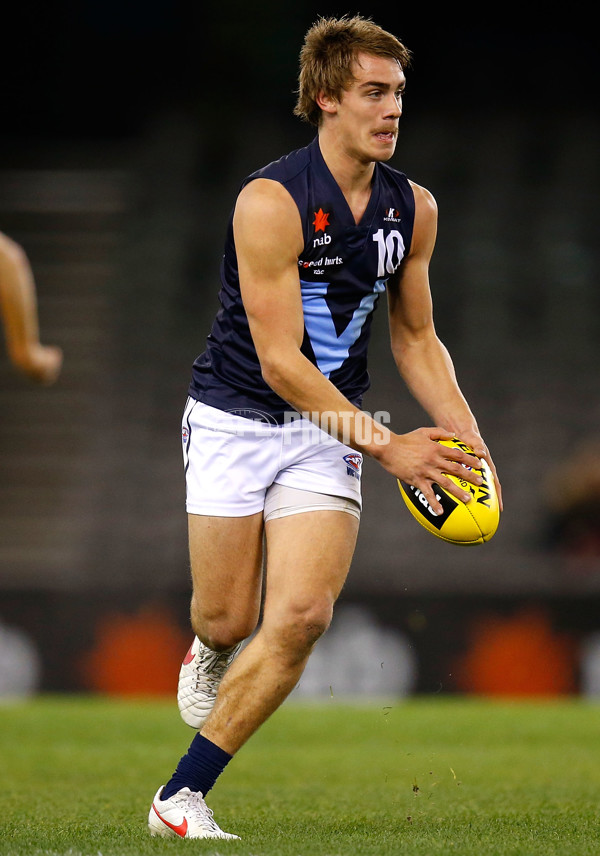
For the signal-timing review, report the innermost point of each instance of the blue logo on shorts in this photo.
(353, 464)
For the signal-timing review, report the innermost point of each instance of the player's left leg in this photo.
(311, 522)
(308, 558)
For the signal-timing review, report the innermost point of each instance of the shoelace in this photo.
(195, 804)
(207, 672)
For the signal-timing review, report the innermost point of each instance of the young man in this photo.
(18, 307)
(314, 239)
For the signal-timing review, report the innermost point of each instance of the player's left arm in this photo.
(422, 359)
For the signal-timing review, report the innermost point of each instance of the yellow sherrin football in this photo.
(465, 523)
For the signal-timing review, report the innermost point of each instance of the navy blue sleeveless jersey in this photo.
(343, 269)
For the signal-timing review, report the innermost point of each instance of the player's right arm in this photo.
(268, 239)
(18, 306)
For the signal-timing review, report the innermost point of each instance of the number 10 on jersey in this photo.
(391, 250)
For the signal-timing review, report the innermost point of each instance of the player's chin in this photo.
(383, 146)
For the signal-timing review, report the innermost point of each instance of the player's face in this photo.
(368, 112)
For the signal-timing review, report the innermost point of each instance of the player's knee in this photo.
(220, 631)
(302, 626)
(220, 637)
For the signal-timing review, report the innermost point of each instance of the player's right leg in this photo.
(226, 559)
(226, 458)
(229, 463)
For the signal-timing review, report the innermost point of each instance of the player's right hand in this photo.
(417, 459)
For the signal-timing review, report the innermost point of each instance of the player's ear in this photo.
(328, 103)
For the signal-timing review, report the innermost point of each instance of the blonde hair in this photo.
(330, 48)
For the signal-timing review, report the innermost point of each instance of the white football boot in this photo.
(184, 815)
(201, 673)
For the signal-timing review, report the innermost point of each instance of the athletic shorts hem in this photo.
(212, 509)
(331, 489)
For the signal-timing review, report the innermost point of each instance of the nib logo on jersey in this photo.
(320, 223)
(317, 266)
(392, 216)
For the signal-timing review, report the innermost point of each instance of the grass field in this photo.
(426, 776)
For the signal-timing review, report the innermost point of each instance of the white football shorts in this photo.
(231, 463)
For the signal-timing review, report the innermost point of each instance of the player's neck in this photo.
(353, 176)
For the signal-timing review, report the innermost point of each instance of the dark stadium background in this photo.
(126, 128)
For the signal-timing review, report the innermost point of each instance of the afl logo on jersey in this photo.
(353, 464)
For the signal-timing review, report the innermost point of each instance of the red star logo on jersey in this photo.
(321, 220)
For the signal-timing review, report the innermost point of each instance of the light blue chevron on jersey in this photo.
(331, 350)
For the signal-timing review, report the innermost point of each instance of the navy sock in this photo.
(199, 769)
